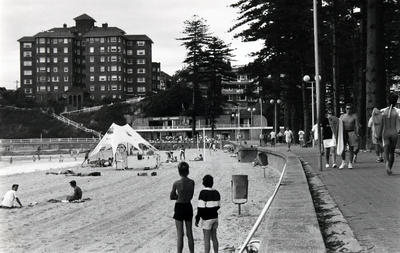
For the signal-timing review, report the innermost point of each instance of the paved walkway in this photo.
(367, 197)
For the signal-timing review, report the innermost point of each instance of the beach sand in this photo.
(127, 212)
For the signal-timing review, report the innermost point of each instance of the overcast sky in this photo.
(161, 20)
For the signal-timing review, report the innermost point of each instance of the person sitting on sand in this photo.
(182, 192)
(77, 192)
(199, 158)
(10, 197)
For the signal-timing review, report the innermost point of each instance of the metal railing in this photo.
(217, 126)
(75, 124)
(48, 140)
(263, 213)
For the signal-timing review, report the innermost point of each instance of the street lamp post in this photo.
(251, 110)
(275, 103)
(307, 79)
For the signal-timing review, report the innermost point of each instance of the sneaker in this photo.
(350, 166)
(354, 158)
(327, 165)
(342, 165)
(334, 165)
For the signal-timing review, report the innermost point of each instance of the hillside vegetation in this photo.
(32, 123)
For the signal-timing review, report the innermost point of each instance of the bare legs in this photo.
(210, 235)
(327, 155)
(180, 233)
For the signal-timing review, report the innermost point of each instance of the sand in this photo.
(126, 213)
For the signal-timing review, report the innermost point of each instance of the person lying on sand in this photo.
(77, 192)
(10, 197)
(198, 158)
(72, 173)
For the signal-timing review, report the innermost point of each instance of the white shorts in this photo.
(329, 143)
(209, 224)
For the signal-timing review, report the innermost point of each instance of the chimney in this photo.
(104, 25)
(65, 25)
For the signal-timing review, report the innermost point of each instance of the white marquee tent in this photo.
(117, 135)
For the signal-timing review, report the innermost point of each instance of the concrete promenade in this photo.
(368, 198)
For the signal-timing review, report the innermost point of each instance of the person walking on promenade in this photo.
(182, 191)
(207, 211)
(272, 136)
(389, 132)
(288, 137)
(350, 134)
(329, 132)
(301, 138)
(375, 123)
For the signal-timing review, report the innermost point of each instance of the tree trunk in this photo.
(375, 85)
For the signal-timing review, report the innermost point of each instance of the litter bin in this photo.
(240, 187)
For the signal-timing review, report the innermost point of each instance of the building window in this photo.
(54, 41)
(27, 72)
(55, 69)
(91, 69)
(42, 50)
(27, 63)
(102, 68)
(103, 88)
(113, 49)
(65, 78)
(114, 78)
(28, 90)
(113, 68)
(65, 59)
(129, 52)
(55, 88)
(27, 54)
(141, 70)
(42, 79)
(27, 45)
(113, 58)
(102, 59)
(92, 78)
(65, 41)
(141, 89)
(141, 80)
(102, 78)
(55, 59)
(129, 61)
(130, 80)
(65, 69)
(43, 69)
(101, 40)
(91, 59)
(140, 52)
(113, 39)
(55, 50)
(130, 71)
(130, 89)
(42, 40)
(55, 79)
(65, 50)
(140, 43)
(140, 61)
(101, 49)
(66, 88)
(27, 81)
(91, 87)
(91, 50)
(114, 87)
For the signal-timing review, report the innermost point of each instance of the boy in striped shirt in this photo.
(207, 210)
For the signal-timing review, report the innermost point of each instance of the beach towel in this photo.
(340, 142)
(66, 201)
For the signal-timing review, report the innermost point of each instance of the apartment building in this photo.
(96, 62)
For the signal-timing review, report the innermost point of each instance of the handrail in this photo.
(263, 212)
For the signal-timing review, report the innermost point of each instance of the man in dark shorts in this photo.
(77, 192)
(350, 134)
(182, 191)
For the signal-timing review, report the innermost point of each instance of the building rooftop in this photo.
(138, 37)
(56, 32)
(84, 17)
(104, 31)
(27, 39)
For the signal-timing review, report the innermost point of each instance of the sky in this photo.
(161, 20)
